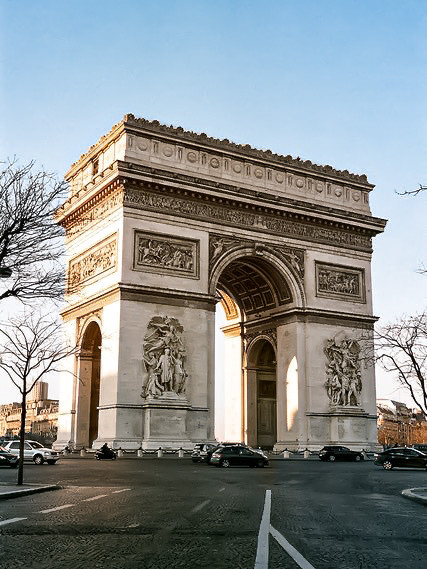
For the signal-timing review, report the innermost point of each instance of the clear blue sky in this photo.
(337, 82)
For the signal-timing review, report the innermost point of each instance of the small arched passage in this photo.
(261, 398)
(89, 374)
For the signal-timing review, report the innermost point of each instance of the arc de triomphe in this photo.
(161, 225)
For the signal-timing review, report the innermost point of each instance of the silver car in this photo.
(33, 451)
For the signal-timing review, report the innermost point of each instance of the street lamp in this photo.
(5, 272)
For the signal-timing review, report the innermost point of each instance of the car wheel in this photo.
(38, 459)
(260, 464)
(357, 458)
(225, 464)
(387, 465)
(331, 458)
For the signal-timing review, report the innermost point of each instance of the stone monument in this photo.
(161, 225)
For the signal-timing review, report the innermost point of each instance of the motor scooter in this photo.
(108, 454)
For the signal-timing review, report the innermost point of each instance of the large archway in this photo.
(253, 291)
(89, 374)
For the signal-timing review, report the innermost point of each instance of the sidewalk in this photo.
(14, 491)
(416, 494)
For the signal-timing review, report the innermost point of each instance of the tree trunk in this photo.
(22, 435)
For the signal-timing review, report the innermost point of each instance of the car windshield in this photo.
(35, 444)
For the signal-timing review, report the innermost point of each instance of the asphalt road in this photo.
(171, 513)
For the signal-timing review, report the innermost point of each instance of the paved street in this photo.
(171, 513)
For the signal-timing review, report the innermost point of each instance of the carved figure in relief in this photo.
(159, 253)
(164, 358)
(343, 382)
(338, 281)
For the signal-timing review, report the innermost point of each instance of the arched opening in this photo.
(89, 373)
(252, 291)
(261, 395)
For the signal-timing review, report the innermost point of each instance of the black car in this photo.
(238, 455)
(202, 452)
(336, 452)
(401, 457)
(8, 459)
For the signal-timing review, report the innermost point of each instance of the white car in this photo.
(33, 451)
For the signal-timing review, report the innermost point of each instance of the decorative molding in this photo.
(160, 253)
(277, 224)
(88, 214)
(91, 304)
(270, 333)
(221, 245)
(340, 282)
(92, 264)
(343, 376)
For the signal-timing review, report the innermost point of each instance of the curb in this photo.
(26, 491)
(414, 494)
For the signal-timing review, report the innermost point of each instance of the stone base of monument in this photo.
(165, 422)
(346, 425)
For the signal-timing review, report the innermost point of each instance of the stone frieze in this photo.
(338, 282)
(92, 263)
(166, 254)
(225, 214)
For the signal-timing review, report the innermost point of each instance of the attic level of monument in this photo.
(204, 160)
(135, 125)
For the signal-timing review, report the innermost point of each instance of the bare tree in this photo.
(401, 349)
(32, 347)
(31, 242)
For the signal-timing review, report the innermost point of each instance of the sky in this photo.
(336, 82)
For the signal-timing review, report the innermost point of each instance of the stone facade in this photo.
(41, 418)
(161, 225)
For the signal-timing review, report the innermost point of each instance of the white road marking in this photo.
(221, 490)
(261, 561)
(124, 490)
(95, 498)
(11, 521)
(200, 506)
(290, 550)
(56, 509)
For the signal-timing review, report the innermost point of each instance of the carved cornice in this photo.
(97, 207)
(245, 150)
(238, 214)
(229, 190)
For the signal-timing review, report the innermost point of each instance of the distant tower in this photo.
(39, 391)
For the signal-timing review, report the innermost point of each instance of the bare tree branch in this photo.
(401, 349)
(31, 243)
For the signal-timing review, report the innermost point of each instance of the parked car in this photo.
(222, 445)
(33, 451)
(336, 452)
(201, 452)
(237, 455)
(8, 459)
(401, 457)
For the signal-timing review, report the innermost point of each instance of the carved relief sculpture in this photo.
(164, 359)
(92, 263)
(166, 254)
(343, 382)
(340, 282)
